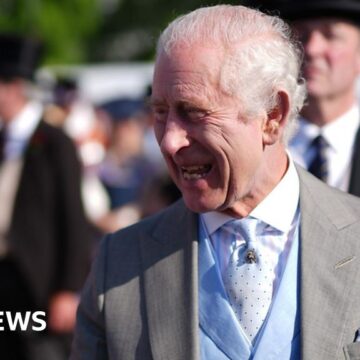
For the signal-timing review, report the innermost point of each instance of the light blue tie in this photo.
(248, 278)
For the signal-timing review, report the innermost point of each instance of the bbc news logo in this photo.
(16, 321)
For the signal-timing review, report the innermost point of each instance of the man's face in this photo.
(11, 95)
(212, 152)
(332, 56)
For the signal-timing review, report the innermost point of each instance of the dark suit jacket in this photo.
(141, 299)
(49, 237)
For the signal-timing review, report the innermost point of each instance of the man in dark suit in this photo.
(327, 140)
(44, 237)
(260, 260)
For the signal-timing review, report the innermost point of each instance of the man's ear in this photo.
(276, 119)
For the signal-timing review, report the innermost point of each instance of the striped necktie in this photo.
(319, 167)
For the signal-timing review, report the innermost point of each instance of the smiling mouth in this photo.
(195, 172)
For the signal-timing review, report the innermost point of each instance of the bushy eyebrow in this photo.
(153, 101)
(156, 102)
(179, 104)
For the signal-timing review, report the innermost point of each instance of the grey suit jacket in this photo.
(140, 300)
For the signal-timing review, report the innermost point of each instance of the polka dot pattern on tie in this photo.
(249, 280)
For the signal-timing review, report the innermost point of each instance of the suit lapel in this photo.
(170, 282)
(169, 259)
(217, 319)
(327, 272)
(354, 187)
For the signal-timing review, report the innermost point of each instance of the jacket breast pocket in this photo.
(352, 351)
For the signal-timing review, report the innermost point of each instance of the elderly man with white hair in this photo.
(259, 260)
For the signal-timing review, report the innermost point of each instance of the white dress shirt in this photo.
(340, 135)
(20, 129)
(278, 211)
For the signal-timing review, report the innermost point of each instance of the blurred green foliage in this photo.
(78, 31)
(141, 21)
(65, 26)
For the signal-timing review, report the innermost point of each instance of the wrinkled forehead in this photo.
(196, 64)
(207, 55)
(188, 52)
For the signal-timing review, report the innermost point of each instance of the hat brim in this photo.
(298, 11)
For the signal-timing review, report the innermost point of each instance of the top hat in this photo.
(303, 9)
(19, 56)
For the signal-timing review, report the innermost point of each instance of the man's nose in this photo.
(175, 137)
(314, 44)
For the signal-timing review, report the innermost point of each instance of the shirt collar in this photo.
(277, 209)
(346, 125)
(24, 124)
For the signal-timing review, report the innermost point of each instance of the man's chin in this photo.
(315, 90)
(196, 205)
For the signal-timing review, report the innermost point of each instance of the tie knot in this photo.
(245, 227)
(319, 143)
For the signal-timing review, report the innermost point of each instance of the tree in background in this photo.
(131, 29)
(65, 26)
(82, 31)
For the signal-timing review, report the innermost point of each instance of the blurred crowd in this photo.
(70, 172)
(124, 174)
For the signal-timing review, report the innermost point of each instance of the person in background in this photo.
(327, 140)
(126, 168)
(83, 124)
(259, 259)
(44, 236)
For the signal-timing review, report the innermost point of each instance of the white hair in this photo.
(261, 58)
